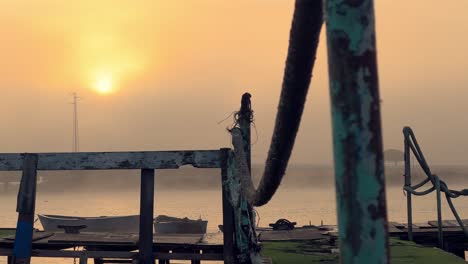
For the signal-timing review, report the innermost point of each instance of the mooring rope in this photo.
(304, 36)
(437, 183)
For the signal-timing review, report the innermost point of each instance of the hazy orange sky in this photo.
(179, 67)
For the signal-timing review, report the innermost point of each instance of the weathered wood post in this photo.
(25, 207)
(83, 259)
(357, 135)
(145, 244)
(246, 228)
(228, 210)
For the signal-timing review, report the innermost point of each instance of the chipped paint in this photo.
(116, 160)
(245, 238)
(232, 182)
(357, 137)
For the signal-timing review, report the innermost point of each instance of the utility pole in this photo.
(75, 123)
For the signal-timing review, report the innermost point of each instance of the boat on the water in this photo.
(110, 224)
(164, 224)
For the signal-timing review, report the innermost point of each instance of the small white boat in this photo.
(164, 224)
(107, 224)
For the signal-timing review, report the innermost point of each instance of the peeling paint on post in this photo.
(357, 138)
(228, 211)
(246, 233)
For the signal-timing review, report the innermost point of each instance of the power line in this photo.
(76, 141)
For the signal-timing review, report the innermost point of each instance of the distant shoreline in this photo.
(188, 178)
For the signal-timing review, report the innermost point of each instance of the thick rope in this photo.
(410, 138)
(304, 36)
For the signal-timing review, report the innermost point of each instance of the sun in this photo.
(104, 84)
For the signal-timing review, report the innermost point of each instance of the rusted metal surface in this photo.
(357, 135)
(116, 160)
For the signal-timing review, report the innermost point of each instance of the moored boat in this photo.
(164, 224)
(111, 224)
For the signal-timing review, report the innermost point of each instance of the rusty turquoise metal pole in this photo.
(357, 135)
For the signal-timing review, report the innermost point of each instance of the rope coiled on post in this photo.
(437, 183)
(304, 36)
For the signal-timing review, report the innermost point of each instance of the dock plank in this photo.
(84, 239)
(447, 223)
(291, 235)
(36, 236)
(179, 238)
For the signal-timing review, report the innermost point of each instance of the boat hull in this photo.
(108, 224)
(172, 225)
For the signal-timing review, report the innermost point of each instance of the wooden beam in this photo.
(145, 243)
(25, 207)
(43, 253)
(116, 160)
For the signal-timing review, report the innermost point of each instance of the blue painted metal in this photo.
(25, 207)
(357, 135)
(23, 239)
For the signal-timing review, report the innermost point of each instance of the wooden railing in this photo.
(148, 162)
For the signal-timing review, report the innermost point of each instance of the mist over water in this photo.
(307, 195)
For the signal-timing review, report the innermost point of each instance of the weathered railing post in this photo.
(440, 231)
(245, 120)
(408, 185)
(246, 233)
(228, 210)
(83, 259)
(25, 207)
(145, 242)
(357, 135)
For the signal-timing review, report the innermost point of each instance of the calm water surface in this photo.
(304, 206)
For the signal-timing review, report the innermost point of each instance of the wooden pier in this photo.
(116, 248)
(123, 248)
(425, 234)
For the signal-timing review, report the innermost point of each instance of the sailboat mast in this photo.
(75, 123)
